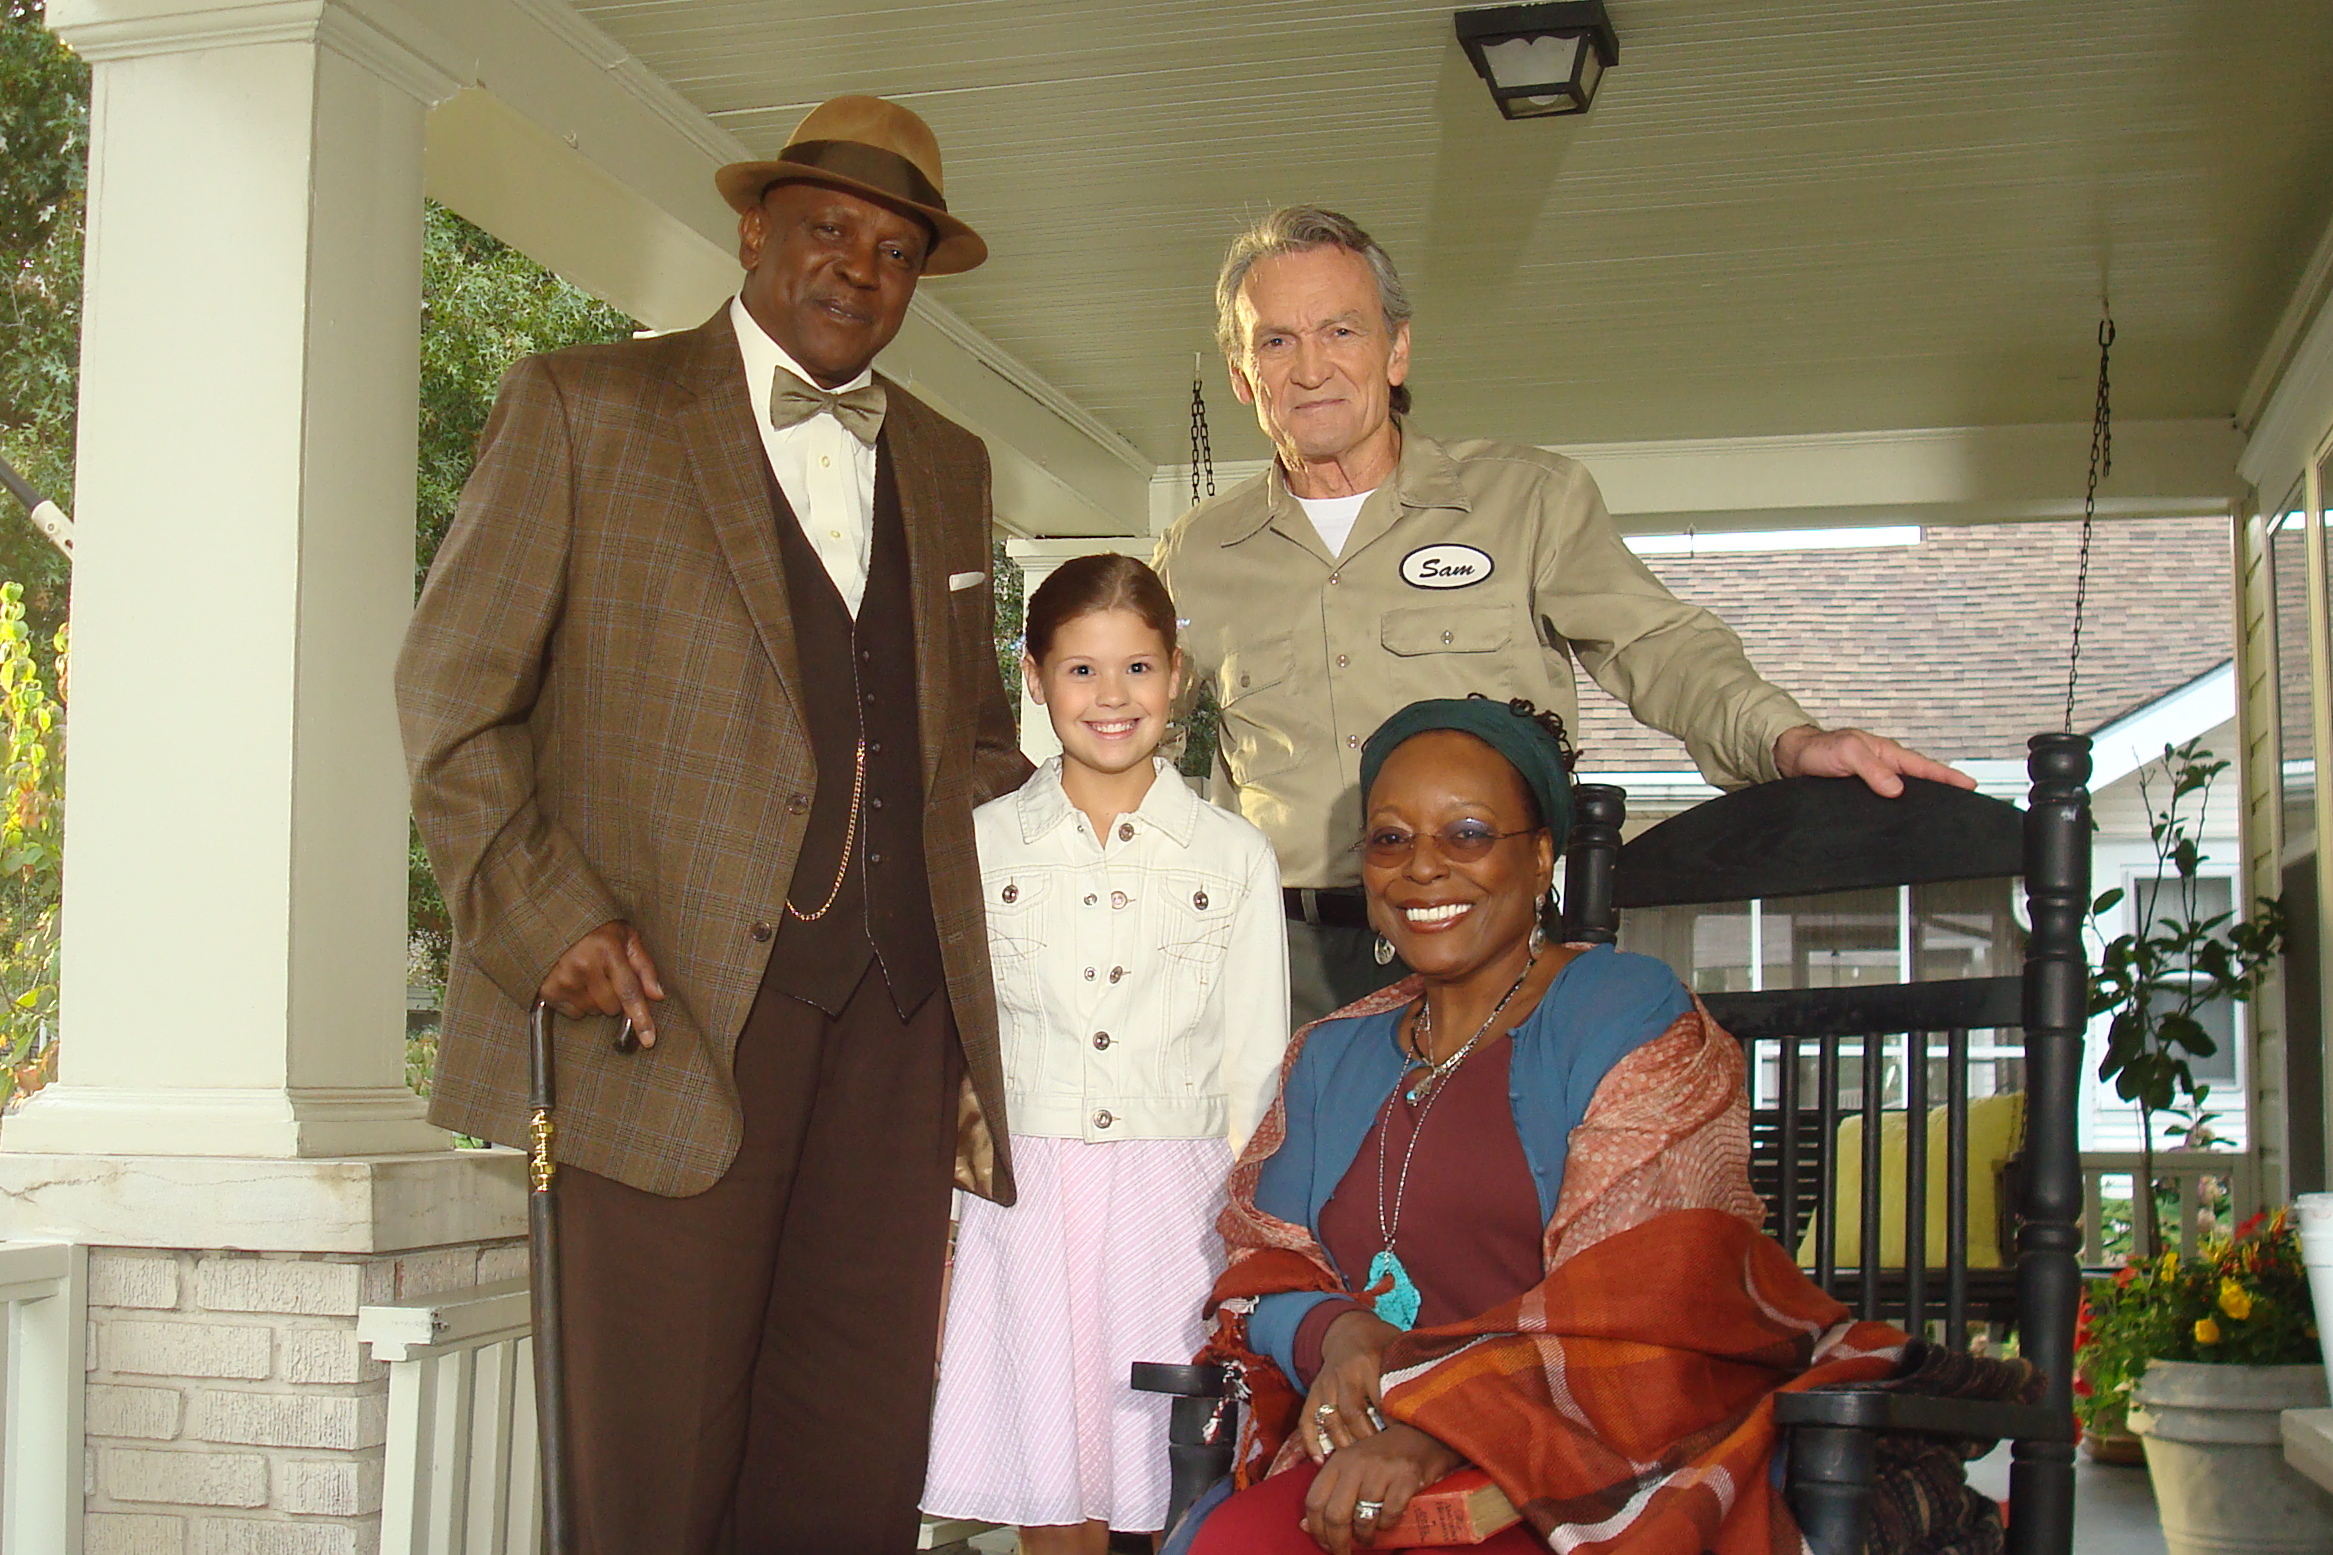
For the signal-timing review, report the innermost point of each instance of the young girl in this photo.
(1142, 993)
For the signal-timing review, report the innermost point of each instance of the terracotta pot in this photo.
(2215, 1451)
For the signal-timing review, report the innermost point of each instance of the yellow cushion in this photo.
(1996, 1131)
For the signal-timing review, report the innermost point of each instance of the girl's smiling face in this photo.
(1107, 682)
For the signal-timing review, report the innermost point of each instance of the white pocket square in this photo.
(960, 581)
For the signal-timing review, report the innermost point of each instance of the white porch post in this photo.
(234, 908)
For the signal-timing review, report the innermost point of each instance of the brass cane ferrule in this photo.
(539, 1136)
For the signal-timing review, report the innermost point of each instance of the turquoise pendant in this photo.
(1398, 1302)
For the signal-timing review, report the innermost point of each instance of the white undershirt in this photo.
(1334, 517)
(827, 474)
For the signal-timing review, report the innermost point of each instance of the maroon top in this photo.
(1470, 1229)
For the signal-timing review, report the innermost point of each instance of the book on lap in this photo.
(1460, 1508)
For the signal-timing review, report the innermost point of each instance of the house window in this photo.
(1897, 934)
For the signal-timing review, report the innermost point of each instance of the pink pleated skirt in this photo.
(1105, 1261)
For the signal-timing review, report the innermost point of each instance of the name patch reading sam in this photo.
(1446, 567)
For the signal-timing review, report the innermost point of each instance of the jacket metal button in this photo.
(1119, 899)
(1101, 1041)
(1125, 831)
(1103, 1119)
(797, 804)
(874, 858)
(1336, 577)
(762, 932)
(1089, 901)
(1010, 894)
(1199, 900)
(1089, 974)
(1352, 742)
(1243, 682)
(1446, 637)
(875, 804)
(1343, 661)
(1116, 973)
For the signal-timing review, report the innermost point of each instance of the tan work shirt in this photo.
(1477, 566)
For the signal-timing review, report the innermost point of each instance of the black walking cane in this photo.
(543, 1287)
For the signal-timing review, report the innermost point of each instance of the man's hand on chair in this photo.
(607, 972)
(1807, 751)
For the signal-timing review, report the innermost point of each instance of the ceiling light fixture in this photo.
(1540, 60)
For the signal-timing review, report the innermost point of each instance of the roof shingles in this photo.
(1956, 645)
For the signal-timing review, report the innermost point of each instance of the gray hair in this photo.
(1297, 229)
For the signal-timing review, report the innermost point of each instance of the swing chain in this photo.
(1202, 447)
(2101, 466)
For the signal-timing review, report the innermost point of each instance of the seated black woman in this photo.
(1501, 1215)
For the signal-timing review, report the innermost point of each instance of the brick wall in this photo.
(230, 1408)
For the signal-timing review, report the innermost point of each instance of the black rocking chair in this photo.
(1813, 836)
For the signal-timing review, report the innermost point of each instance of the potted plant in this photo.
(2112, 1344)
(2203, 1354)
(2156, 979)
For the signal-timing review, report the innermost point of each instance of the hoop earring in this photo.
(1383, 951)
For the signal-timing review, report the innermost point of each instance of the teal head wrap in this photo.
(1513, 729)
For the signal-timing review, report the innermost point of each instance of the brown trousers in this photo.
(751, 1369)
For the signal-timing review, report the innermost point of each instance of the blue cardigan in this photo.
(1602, 1007)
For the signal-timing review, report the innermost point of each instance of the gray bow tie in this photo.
(860, 410)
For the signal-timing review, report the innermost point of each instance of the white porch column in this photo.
(234, 905)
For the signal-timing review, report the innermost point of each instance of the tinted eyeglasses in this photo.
(1460, 842)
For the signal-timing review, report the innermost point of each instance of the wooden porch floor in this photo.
(2114, 1507)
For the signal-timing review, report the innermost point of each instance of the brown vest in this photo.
(858, 683)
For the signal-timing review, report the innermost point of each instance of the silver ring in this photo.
(1368, 1509)
(1324, 1411)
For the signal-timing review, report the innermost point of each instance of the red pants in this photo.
(1268, 1519)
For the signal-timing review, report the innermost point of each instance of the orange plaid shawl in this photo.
(1614, 1408)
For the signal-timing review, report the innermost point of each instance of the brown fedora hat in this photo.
(868, 147)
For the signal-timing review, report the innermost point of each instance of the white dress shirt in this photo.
(827, 474)
(1141, 976)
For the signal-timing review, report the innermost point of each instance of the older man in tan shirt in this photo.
(1372, 566)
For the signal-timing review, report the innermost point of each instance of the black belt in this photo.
(1337, 907)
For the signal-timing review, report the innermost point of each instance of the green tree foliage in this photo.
(32, 843)
(44, 155)
(44, 152)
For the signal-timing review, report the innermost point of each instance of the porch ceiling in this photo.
(1803, 216)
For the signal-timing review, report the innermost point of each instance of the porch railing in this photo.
(2187, 1174)
(461, 1476)
(44, 1291)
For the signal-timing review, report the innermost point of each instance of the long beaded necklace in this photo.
(1398, 1303)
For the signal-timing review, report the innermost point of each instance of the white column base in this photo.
(379, 1204)
(69, 1119)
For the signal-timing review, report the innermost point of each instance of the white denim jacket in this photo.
(1141, 980)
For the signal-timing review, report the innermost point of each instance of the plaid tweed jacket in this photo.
(601, 720)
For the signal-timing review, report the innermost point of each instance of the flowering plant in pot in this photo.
(2201, 1355)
